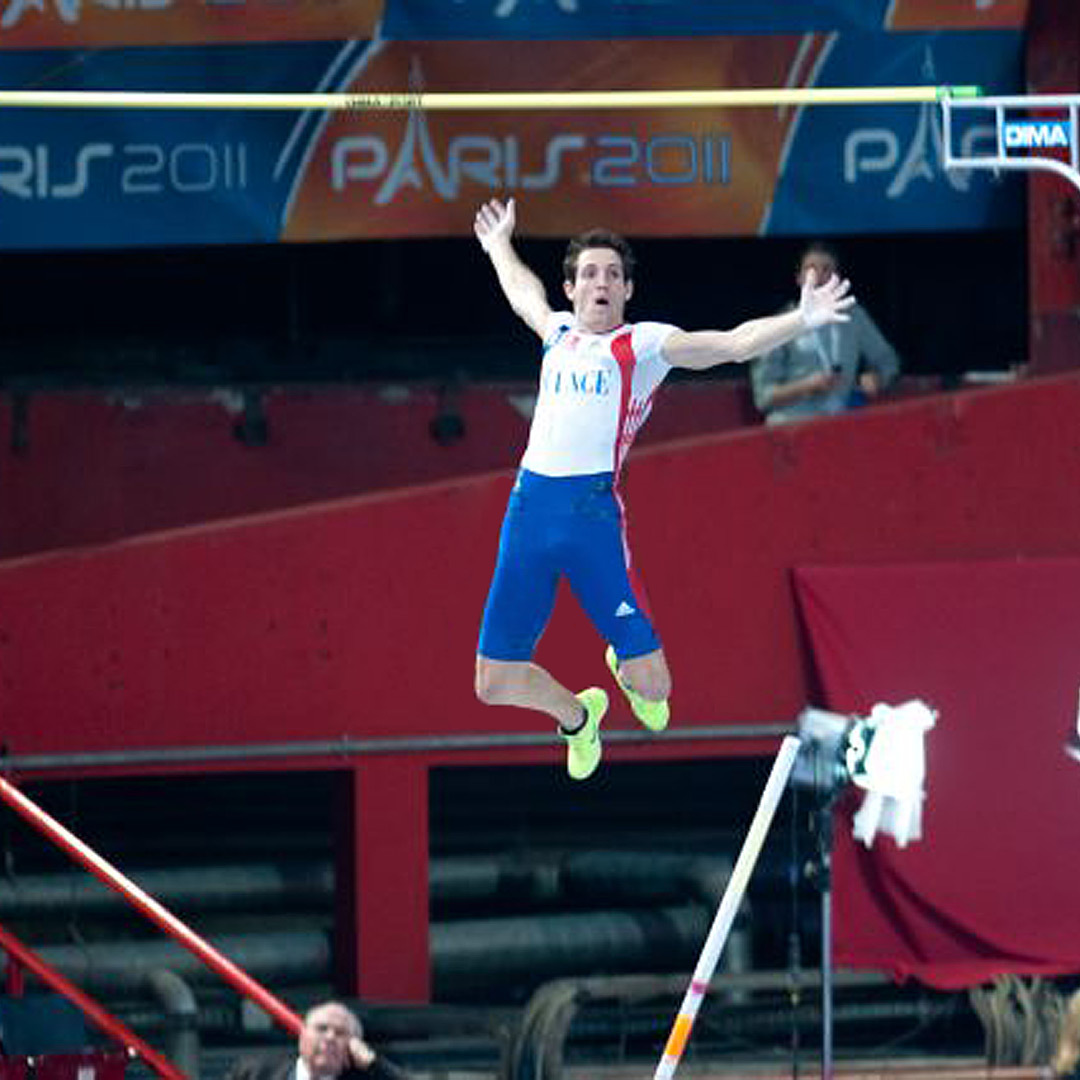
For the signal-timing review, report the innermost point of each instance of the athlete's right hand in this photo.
(494, 222)
(825, 303)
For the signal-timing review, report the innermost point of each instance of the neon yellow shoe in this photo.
(583, 748)
(653, 714)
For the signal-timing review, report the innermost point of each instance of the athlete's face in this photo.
(599, 291)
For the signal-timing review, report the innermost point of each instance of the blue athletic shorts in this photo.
(555, 526)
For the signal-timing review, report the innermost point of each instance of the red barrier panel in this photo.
(97, 468)
(89, 1066)
(359, 617)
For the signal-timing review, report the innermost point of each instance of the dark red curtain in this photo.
(994, 885)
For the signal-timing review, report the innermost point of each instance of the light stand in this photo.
(826, 969)
(795, 875)
(820, 768)
(823, 877)
(882, 754)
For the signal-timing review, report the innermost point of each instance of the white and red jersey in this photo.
(596, 390)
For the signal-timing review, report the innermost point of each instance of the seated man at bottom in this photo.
(331, 1047)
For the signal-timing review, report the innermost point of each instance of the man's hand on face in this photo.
(361, 1054)
(327, 1041)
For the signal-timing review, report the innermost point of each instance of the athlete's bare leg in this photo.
(646, 682)
(647, 675)
(527, 686)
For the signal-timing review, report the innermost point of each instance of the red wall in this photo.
(97, 467)
(360, 616)
(1053, 67)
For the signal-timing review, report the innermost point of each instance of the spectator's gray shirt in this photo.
(839, 347)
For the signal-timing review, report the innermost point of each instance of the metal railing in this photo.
(348, 748)
(27, 958)
(145, 905)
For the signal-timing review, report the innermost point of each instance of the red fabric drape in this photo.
(994, 885)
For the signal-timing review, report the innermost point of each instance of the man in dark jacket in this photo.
(331, 1047)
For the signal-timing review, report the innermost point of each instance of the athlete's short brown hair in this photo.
(597, 238)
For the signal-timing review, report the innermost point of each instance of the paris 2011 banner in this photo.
(112, 177)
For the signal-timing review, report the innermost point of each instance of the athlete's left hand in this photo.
(827, 303)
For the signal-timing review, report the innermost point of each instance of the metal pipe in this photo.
(568, 877)
(645, 875)
(182, 1011)
(549, 878)
(464, 952)
(291, 956)
(534, 879)
(221, 888)
(348, 748)
(148, 906)
(473, 950)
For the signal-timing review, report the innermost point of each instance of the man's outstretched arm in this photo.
(818, 305)
(494, 228)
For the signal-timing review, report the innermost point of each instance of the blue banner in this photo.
(565, 20)
(96, 178)
(881, 169)
(85, 178)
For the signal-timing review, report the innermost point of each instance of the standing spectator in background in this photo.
(331, 1047)
(829, 370)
